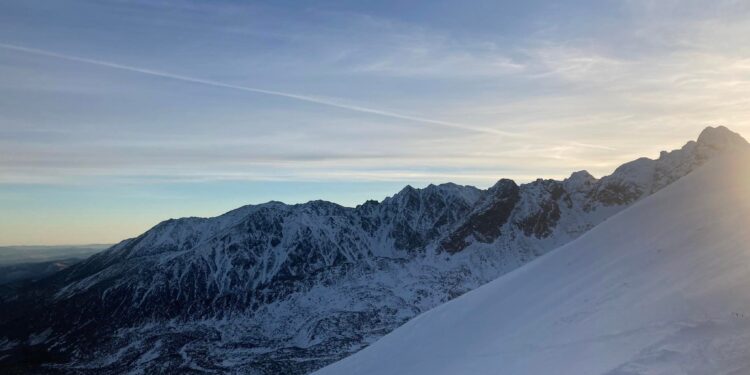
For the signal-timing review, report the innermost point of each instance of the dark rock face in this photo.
(287, 289)
(615, 193)
(542, 222)
(484, 224)
(418, 217)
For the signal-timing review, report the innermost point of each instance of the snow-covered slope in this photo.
(661, 288)
(287, 289)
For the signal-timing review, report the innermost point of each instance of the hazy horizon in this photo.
(117, 115)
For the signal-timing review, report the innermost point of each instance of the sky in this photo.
(116, 115)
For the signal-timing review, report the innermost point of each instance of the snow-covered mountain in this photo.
(660, 288)
(287, 289)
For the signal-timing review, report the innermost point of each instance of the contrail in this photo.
(589, 145)
(304, 98)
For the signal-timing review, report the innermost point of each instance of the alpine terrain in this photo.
(288, 289)
(660, 288)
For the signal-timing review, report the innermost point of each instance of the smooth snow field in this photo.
(661, 288)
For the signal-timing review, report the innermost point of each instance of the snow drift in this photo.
(663, 287)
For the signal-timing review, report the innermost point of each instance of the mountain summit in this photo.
(276, 288)
(720, 138)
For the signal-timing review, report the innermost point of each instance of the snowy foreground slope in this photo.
(661, 288)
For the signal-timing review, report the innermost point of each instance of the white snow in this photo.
(663, 287)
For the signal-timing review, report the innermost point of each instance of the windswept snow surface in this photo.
(663, 287)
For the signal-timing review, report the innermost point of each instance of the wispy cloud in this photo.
(304, 98)
(578, 98)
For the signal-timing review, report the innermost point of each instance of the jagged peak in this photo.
(444, 186)
(581, 175)
(451, 188)
(579, 180)
(466, 192)
(720, 137)
(503, 183)
(368, 207)
(317, 203)
(407, 188)
(710, 141)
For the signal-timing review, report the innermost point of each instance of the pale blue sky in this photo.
(115, 115)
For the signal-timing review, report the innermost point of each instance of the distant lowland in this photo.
(21, 263)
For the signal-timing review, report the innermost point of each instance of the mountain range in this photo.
(288, 289)
(659, 288)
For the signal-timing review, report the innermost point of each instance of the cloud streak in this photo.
(298, 97)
